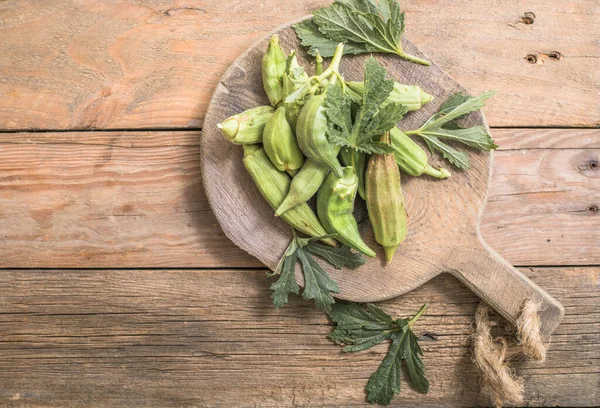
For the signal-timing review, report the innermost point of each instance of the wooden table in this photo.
(118, 287)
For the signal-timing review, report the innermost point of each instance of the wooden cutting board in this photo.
(443, 215)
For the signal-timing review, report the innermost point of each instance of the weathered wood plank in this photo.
(154, 64)
(127, 199)
(200, 338)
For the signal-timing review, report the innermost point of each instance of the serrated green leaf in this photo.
(338, 108)
(309, 35)
(286, 283)
(366, 6)
(455, 157)
(338, 257)
(443, 125)
(318, 285)
(350, 316)
(475, 136)
(414, 364)
(365, 26)
(341, 23)
(385, 119)
(371, 120)
(456, 107)
(359, 328)
(385, 382)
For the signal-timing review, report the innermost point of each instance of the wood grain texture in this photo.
(127, 199)
(154, 63)
(212, 338)
(444, 217)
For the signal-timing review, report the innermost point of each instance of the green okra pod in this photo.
(246, 127)
(335, 204)
(411, 96)
(385, 201)
(311, 131)
(411, 157)
(280, 143)
(273, 186)
(293, 79)
(357, 160)
(304, 185)
(273, 68)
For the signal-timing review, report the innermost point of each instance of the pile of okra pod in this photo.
(297, 160)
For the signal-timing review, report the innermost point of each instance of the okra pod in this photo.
(335, 205)
(280, 143)
(273, 186)
(246, 127)
(311, 131)
(293, 79)
(273, 68)
(304, 185)
(411, 96)
(411, 157)
(385, 201)
(357, 160)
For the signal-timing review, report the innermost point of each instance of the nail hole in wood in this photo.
(528, 17)
(592, 208)
(593, 164)
(555, 55)
(531, 58)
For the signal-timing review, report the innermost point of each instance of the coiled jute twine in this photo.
(495, 343)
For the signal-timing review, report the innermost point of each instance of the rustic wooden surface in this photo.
(99, 200)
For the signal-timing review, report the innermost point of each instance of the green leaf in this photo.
(476, 136)
(359, 328)
(338, 108)
(371, 119)
(341, 23)
(286, 283)
(385, 382)
(455, 157)
(365, 26)
(385, 119)
(366, 6)
(444, 125)
(309, 35)
(352, 316)
(317, 283)
(338, 257)
(457, 106)
(414, 364)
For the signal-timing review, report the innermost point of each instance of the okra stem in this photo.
(442, 173)
(412, 58)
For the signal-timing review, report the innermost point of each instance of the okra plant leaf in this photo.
(317, 283)
(412, 356)
(371, 119)
(443, 126)
(309, 35)
(359, 328)
(365, 25)
(385, 382)
(454, 156)
(338, 257)
(286, 283)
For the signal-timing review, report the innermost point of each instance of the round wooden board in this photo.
(443, 215)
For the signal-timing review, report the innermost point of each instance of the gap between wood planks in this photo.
(193, 129)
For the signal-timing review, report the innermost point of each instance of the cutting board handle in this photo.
(501, 285)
